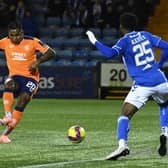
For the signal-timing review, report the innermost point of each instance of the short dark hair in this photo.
(129, 21)
(16, 24)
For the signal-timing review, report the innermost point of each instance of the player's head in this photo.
(128, 22)
(15, 32)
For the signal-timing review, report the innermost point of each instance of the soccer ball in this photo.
(76, 134)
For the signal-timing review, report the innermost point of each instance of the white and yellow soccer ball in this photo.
(76, 134)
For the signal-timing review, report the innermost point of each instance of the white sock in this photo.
(164, 131)
(8, 114)
(122, 143)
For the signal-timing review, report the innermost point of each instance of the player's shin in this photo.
(163, 129)
(164, 120)
(122, 150)
(8, 100)
(122, 130)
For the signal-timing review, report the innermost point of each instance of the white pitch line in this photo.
(60, 163)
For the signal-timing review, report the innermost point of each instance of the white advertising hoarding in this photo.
(114, 75)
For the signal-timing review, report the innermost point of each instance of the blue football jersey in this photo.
(137, 50)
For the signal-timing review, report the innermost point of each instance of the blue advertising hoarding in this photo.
(63, 82)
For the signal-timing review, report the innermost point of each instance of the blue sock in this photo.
(123, 127)
(163, 116)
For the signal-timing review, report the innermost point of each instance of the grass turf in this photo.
(40, 140)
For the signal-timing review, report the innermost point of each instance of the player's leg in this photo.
(163, 129)
(135, 100)
(128, 111)
(8, 100)
(26, 91)
(17, 114)
(161, 97)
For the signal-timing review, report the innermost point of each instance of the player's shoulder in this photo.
(5, 38)
(31, 39)
(34, 40)
(150, 36)
(137, 34)
(146, 33)
(26, 37)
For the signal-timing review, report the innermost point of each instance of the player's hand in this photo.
(91, 37)
(33, 68)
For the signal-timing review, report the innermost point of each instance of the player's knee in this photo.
(9, 83)
(128, 110)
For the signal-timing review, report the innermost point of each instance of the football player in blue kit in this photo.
(137, 50)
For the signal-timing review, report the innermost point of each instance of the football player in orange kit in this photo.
(23, 64)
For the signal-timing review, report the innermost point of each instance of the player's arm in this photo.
(157, 41)
(163, 44)
(163, 57)
(164, 54)
(49, 54)
(107, 51)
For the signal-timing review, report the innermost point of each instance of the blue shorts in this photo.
(25, 84)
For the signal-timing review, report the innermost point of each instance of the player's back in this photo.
(139, 57)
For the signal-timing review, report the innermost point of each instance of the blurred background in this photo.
(79, 70)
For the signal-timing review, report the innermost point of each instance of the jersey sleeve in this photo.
(108, 52)
(120, 46)
(163, 58)
(163, 44)
(40, 46)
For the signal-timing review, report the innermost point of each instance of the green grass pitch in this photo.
(40, 140)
